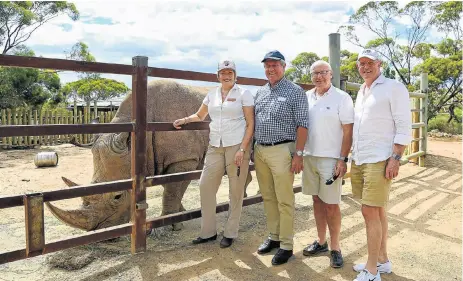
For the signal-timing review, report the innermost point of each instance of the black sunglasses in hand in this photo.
(331, 180)
(238, 171)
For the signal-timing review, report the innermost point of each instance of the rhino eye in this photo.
(117, 197)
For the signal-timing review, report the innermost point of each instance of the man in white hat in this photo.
(382, 129)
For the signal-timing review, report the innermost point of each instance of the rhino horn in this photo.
(69, 182)
(80, 218)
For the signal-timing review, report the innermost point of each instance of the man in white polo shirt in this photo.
(382, 129)
(331, 118)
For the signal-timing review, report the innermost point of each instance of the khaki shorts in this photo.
(370, 184)
(316, 171)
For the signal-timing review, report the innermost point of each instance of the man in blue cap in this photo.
(281, 122)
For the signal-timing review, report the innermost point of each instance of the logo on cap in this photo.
(226, 63)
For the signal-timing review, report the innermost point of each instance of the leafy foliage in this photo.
(27, 86)
(300, 67)
(100, 89)
(442, 61)
(19, 19)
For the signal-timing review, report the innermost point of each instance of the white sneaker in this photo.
(382, 267)
(365, 275)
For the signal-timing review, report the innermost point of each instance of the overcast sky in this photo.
(194, 35)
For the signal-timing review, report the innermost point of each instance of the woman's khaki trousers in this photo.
(218, 160)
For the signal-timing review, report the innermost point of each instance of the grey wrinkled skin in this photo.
(167, 152)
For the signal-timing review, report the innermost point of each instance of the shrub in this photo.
(440, 123)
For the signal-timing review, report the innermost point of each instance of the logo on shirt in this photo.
(327, 107)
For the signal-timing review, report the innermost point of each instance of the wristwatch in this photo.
(299, 152)
(345, 159)
(242, 150)
(396, 156)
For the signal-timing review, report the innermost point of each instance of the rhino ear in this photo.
(69, 182)
(120, 142)
(95, 120)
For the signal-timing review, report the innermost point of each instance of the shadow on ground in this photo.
(425, 229)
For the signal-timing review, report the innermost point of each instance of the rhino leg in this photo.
(173, 192)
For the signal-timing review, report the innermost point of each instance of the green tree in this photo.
(95, 89)
(19, 19)
(349, 66)
(380, 18)
(300, 67)
(27, 86)
(80, 51)
(442, 61)
(445, 78)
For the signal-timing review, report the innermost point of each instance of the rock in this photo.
(434, 131)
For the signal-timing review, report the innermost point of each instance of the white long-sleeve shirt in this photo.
(228, 124)
(382, 118)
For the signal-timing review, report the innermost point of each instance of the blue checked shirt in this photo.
(279, 111)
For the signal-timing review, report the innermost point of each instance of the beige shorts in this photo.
(370, 184)
(316, 171)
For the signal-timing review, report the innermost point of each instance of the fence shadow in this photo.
(414, 200)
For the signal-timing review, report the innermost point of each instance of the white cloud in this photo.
(195, 35)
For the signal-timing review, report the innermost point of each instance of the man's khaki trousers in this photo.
(273, 171)
(218, 160)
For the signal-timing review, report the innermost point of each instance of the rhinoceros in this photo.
(167, 152)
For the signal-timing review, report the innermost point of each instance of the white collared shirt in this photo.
(327, 114)
(228, 124)
(382, 118)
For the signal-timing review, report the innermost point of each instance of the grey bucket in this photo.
(46, 159)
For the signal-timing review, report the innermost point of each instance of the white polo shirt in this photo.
(382, 118)
(327, 114)
(228, 124)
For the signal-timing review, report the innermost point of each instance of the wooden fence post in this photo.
(36, 122)
(10, 140)
(13, 122)
(138, 146)
(4, 139)
(423, 117)
(85, 121)
(41, 138)
(30, 139)
(19, 112)
(53, 121)
(80, 137)
(415, 132)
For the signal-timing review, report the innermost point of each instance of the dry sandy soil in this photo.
(424, 213)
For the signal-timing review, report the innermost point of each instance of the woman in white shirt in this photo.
(231, 109)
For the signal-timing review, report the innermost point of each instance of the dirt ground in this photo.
(425, 238)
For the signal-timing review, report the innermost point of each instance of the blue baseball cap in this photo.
(273, 55)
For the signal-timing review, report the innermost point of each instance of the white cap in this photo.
(369, 53)
(226, 64)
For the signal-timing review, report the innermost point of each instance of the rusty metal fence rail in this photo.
(34, 203)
